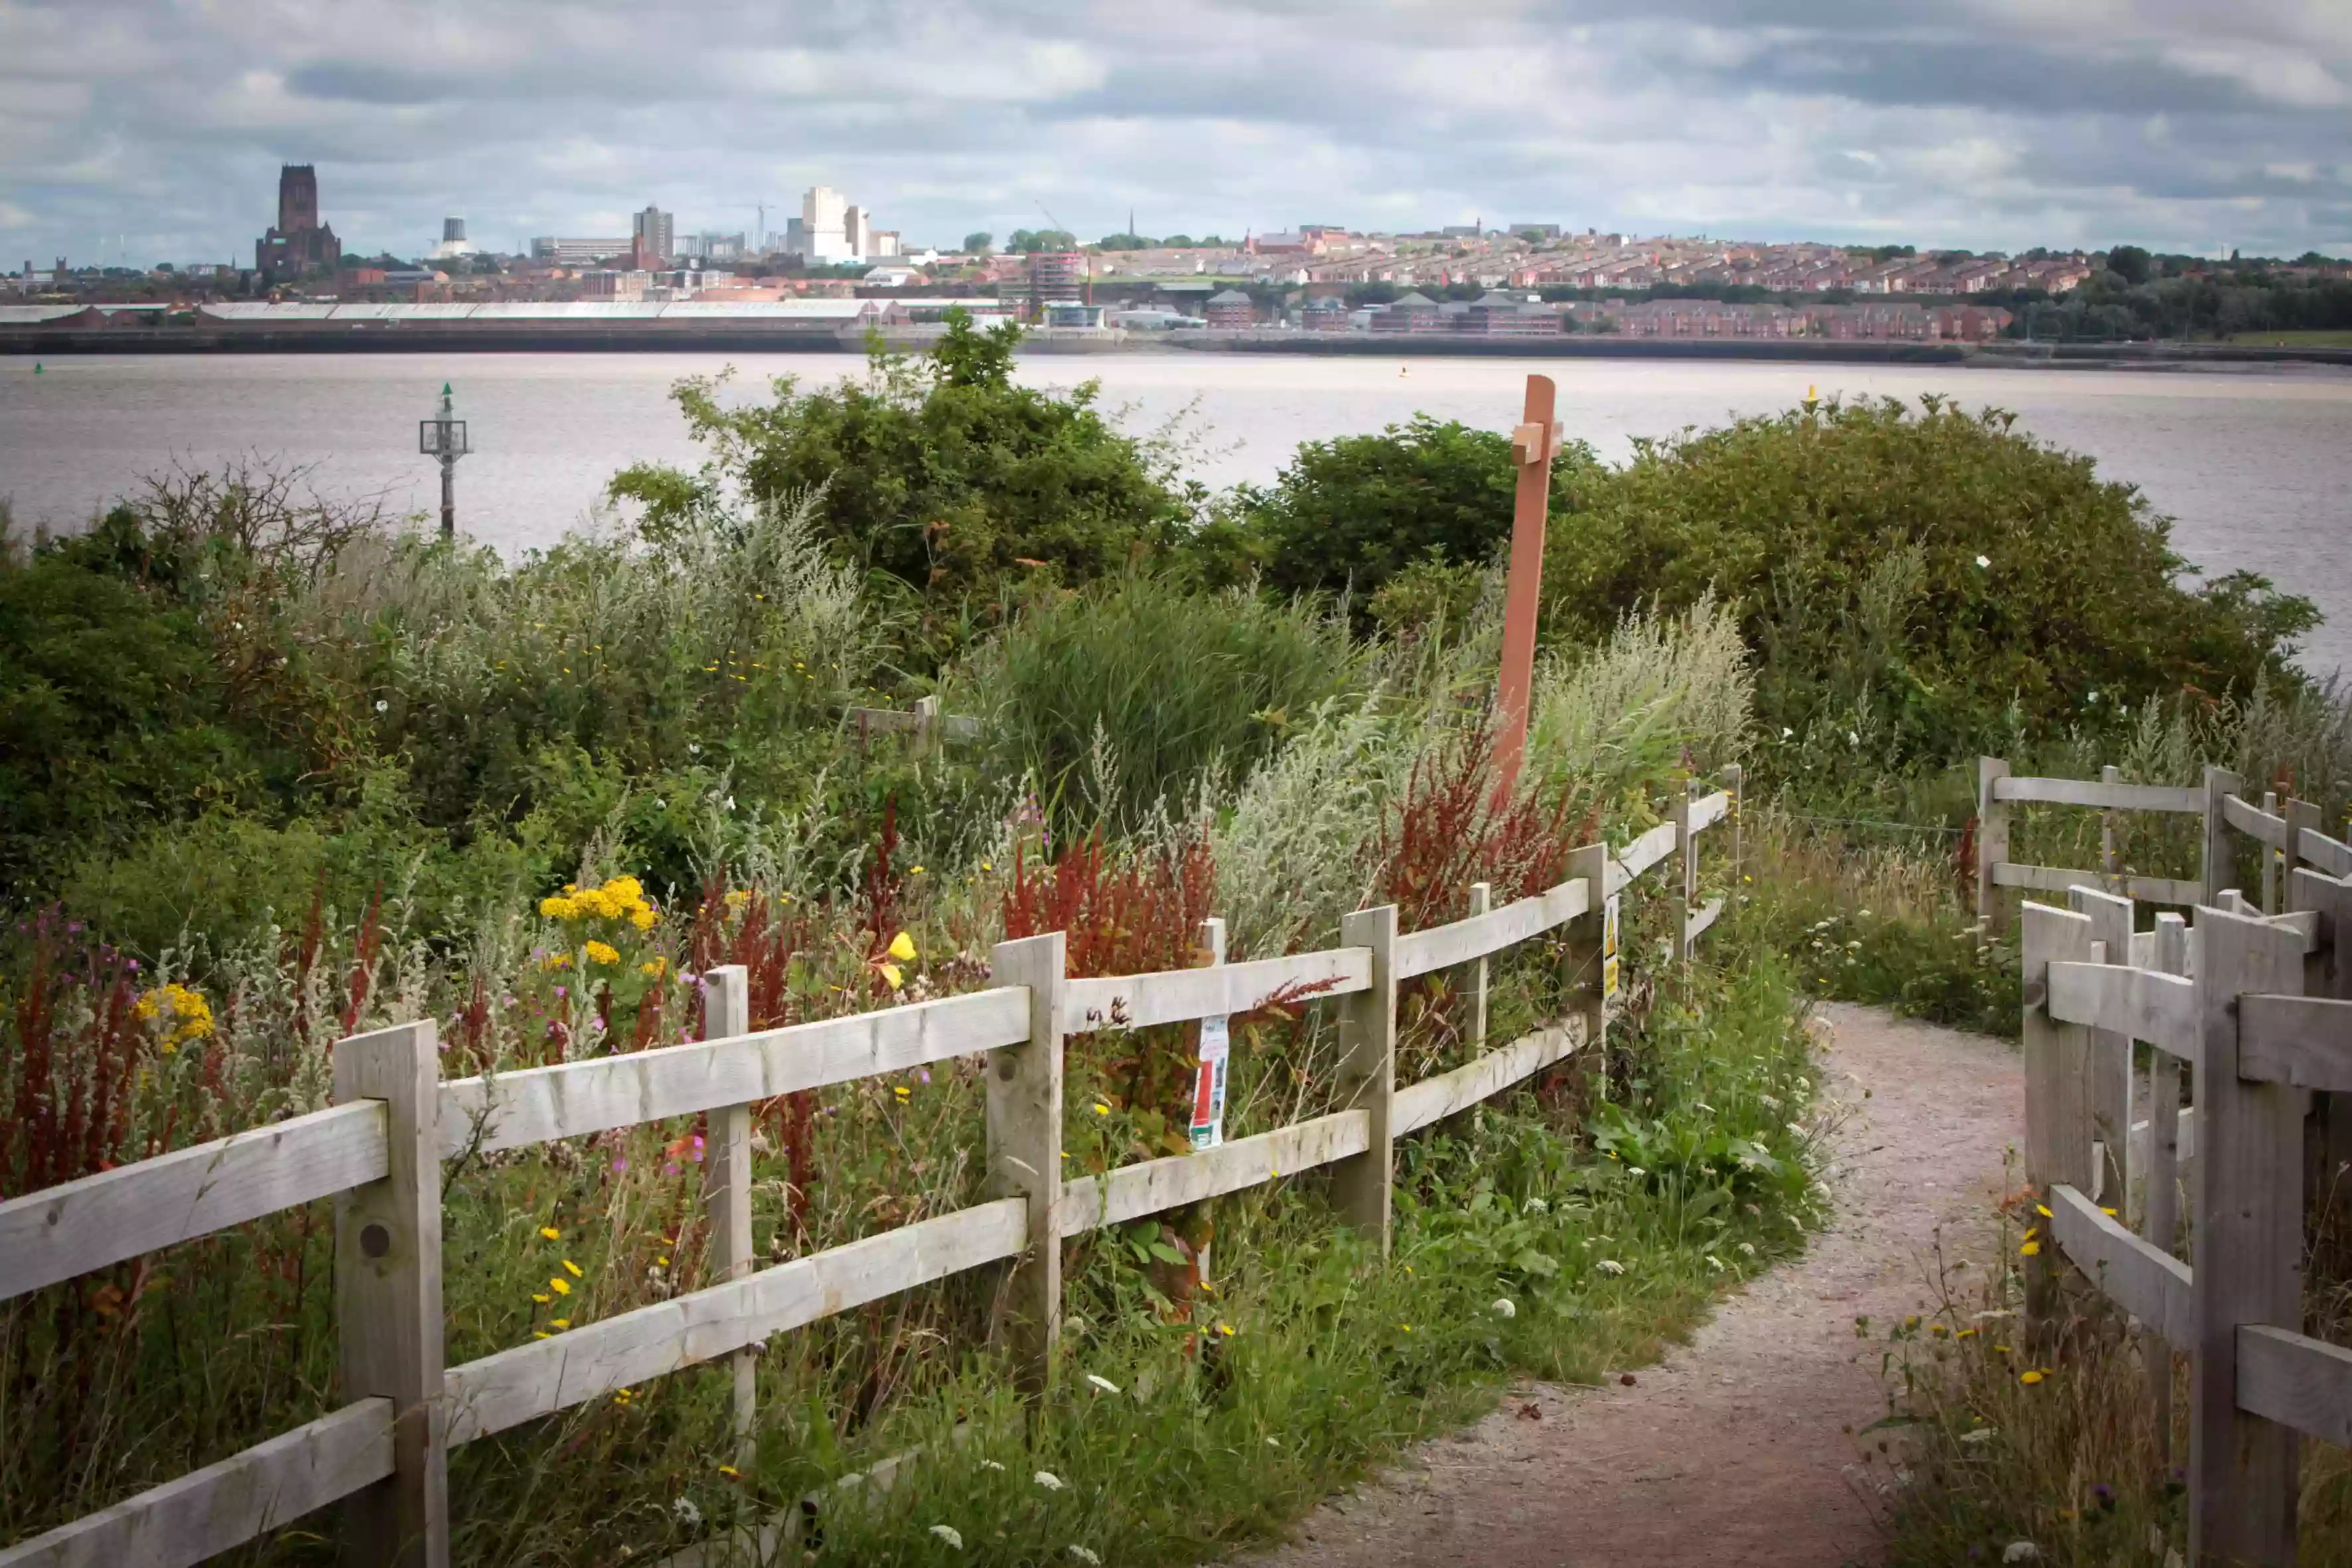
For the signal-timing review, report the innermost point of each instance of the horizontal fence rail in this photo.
(547, 1376)
(379, 1155)
(1180, 995)
(54, 1235)
(513, 1110)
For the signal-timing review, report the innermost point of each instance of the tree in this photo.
(2128, 262)
(977, 242)
(1177, 242)
(1125, 242)
(1025, 240)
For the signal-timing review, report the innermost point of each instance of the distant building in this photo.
(1324, 313)
(1055, 277)
(612, 283)
(568, 252)
(653, 232)
(855, 232)
(1413, 313)
(299, 242)
(1231, 311)
(824, 226)
(454, 243)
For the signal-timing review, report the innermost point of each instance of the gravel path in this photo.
(1733, 1451)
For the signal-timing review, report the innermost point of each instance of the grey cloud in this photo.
(1990, 122)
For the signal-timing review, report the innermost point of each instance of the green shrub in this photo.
(1916, 585)
(1353, 512)
(1127, 694)
(942, 473)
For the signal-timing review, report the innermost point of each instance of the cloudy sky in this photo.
(153, 128)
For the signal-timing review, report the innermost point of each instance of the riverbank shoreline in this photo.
(164, 342)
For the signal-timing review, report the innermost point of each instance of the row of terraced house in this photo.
(1499, 314)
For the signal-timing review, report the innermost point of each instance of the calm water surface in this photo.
(2256, 469)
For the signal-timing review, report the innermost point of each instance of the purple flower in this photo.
(560, 990)
(620, 1164)
(670, 1169)
(923, 1073)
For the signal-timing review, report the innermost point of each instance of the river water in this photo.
(2256, 467)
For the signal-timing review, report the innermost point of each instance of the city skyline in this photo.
(148, 133)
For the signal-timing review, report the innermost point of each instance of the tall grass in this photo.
(1115, 700)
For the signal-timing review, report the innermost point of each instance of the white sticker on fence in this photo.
(1612, 972)
(1209, 1083)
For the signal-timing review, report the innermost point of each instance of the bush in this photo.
(1119, 697)
(942, 473)
(1353, 513)
(1925, 582)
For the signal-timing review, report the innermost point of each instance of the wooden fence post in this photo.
(1992, 843)
(1210, 1081)
(2327, 973)
(1735, 779)
(1024, 1151)
(2057, 1099)
(1586, 999)
(2248, 1220)
(2270, 884)
(726, 1188)
(1482, 900)
(2109, 1054)
(1685, 872)
(2161, 1185)
(1359, 1185)
(2111, 856)
(927, 724)
(388, 1299)
(2219, 867)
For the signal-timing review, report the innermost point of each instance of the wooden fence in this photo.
(378, 1153)
(2289, 832)
(2258, 1006)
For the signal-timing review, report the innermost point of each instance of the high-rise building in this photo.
(824, 220)
(653, 229)
(1055, 277)
(299, 242)
(855, 232)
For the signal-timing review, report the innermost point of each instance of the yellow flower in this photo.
(541, 1297)
(652, 967)
(559, 1322)
(730, 1472)
(559, 909)
(738, 898)
(901, 1090)
(550, 1232)
(1226, 1330)
(1965, 1335)
(902, 948)
(559, 1285)
(891, 973)
(2043, 1210)
(643, 920)
(2031, 1249)
(603, 953)
(571, 1269)
(2030, 1378)
(559, 961)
